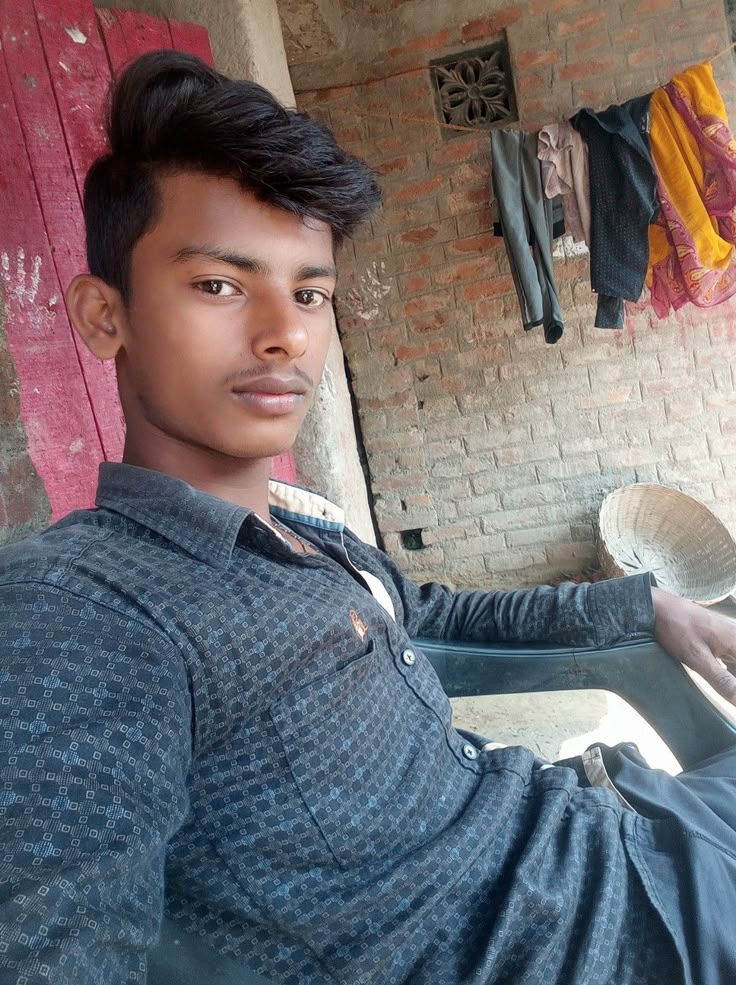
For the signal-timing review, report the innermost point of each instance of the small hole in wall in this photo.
(420, 405)
(411, 540)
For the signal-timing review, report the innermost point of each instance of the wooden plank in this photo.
(80, 74)
(127, 34)
(113, 38)
(62, 439)
(191, 38)
(61, 146)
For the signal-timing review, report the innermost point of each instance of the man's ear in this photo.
(98, 314)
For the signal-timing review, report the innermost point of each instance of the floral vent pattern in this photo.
(475, 90)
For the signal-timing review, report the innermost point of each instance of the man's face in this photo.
(229, 320)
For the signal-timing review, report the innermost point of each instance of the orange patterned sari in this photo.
(691, 247)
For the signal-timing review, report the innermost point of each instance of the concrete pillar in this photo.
(247, 43)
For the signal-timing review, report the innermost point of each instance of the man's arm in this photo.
(95, 744)
(599, 614)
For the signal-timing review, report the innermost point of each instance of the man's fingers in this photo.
(719, 677)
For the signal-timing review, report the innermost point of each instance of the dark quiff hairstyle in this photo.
(170, 112)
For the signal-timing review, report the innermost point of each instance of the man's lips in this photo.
(272, 385)
(272, 395)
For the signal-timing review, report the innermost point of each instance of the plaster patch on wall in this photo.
(565, 247)
(76, 446)
(364, 300)
(328, 382)
(77, 36)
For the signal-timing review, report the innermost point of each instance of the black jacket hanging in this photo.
(623, 202)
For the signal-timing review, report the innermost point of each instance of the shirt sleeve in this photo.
(598, 614)
(95, 726)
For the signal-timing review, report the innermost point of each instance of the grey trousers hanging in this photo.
(526, 221)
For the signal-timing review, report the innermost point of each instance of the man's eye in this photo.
(310, 298)
(217, 288)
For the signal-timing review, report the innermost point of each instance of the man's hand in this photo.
(697, 638)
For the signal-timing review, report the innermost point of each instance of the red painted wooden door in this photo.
(56, 61)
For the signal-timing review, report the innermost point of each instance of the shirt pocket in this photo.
(353, 740)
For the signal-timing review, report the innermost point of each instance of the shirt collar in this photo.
(205, 526)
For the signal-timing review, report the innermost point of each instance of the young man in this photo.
(210, 701)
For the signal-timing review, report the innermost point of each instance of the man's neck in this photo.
(243, 482)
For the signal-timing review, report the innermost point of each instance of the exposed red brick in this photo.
(490, 310)
(421, 211)
(709, 46)
(469, 270)
(427, 302)
(392, 144)
(580, 24)
(423, 43)
(541, 7)
(486, 27)
(533, 59)
(329, 95)
(349, 135)
(588, 69)
(532, 82)
(471, 223)
(645, 56)
(415, 283)
(405, 353)
(424, 325)
(395, 165)
(632, 34)
(460, 149)
(645, 7)
(419, 235)
(418, 261)
(590, 94)
(493, 286)
(473, 244)
(581, 46)
(466, 199)
(419, 189)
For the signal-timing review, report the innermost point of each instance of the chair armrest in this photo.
(640, 672)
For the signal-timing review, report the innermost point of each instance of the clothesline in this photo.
(423, 121)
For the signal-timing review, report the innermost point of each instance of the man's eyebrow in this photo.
(310, 271)
(251, 265)
(248, 264)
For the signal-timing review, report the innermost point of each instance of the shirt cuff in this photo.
(622, 608)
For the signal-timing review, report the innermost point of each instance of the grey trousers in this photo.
(526, 221)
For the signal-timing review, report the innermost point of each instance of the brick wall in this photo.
(498, 448)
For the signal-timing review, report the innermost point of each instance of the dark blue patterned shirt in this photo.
(196, 717)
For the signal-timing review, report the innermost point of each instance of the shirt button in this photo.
(409, 657)
(470, 752)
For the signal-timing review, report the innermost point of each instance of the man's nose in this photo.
(279, 328)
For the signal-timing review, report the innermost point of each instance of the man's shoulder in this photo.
(45, 556)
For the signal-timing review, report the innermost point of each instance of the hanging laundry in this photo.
(623, 201)
(691, 247)
(564, 157)
(559, 228)
(526, 217)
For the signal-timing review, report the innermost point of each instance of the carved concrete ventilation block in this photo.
(475, 89)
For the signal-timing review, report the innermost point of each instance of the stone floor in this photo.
(557, 724)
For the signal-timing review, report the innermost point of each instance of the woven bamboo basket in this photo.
(646, 527)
